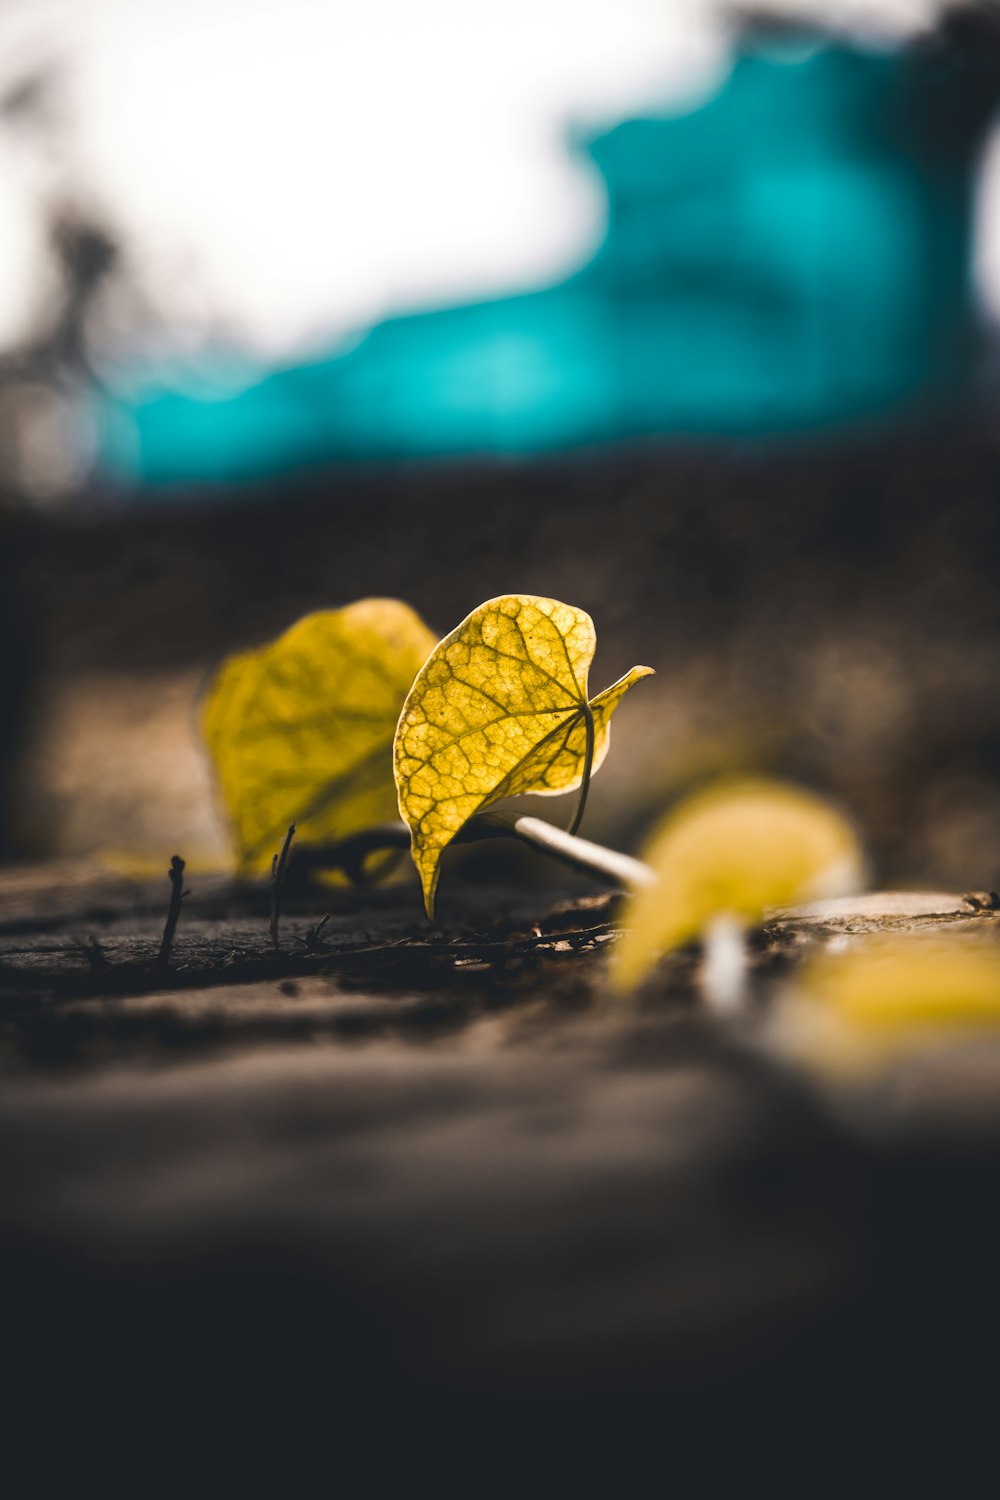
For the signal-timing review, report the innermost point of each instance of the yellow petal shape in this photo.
(887, 997)
(498, 708)
(301, 729)
(901, 983)
(733, 850)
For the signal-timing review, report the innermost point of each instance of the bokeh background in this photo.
(682, 312)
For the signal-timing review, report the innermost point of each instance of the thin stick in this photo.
(723, 975)
(588, 766)
(595, 860)
(177, 893)
(609, 865)
(277, 875)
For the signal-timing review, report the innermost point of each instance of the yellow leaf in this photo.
(732, 851)
(301, 729)
(917, 981)
(499, 708)
(888, 996)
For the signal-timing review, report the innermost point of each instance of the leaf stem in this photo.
(588, 766)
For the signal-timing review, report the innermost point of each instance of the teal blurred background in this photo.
(792, 254)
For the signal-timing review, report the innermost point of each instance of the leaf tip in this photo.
(429, 885)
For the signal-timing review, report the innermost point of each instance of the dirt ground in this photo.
(434, 1202)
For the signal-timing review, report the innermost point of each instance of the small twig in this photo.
(177, 893)
(595, 860)
(277, 875)
(600, 863)
(94, 954)
(314, 935)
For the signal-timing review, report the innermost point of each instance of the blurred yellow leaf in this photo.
(913, 981)
(732, 851)
(301, 729)
(499, 708)
(887, 996)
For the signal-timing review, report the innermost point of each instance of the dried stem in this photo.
(596, 860)
(277, 876)
(603, 864)
(177, 893)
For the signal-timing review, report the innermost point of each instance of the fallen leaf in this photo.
(732, 851)
(498, 709)
(913, 982)
(301, 729)
(854, 1012)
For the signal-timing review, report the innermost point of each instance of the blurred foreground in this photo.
(400, 1200)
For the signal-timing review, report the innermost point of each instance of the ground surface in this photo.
(433, 1191)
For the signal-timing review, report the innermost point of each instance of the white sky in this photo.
(288, 170)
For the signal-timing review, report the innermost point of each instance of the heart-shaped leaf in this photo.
(301, 729)
(500, 707)
(733, 851)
